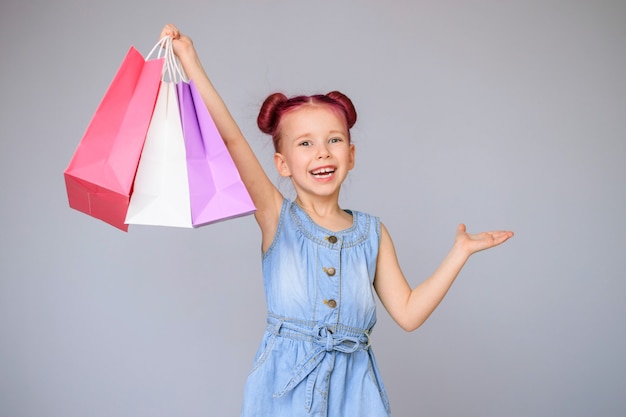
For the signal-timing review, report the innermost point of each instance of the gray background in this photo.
(500, 114)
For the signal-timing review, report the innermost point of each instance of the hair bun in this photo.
(347, 105)
(267, 119)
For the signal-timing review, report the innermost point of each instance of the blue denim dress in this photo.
(315, 358)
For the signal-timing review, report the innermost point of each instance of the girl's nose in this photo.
(322, 152)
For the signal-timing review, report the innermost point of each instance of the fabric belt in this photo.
(325, 339)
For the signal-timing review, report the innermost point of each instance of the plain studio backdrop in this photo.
(498, 114)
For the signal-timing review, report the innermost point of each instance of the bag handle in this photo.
(175, 65)
(159, 47)
(172, 67)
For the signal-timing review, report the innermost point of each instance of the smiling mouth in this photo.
(323, 172)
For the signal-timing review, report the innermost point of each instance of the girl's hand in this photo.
(472, 243)
(183, 46)
(171, 31)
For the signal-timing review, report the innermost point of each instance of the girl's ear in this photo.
(281, 165)
(352, 151)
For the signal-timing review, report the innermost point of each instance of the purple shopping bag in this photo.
(215, 187)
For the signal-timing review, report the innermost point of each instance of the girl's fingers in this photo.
(501, 236)
(171, 31)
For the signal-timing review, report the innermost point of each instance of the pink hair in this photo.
(277, 105)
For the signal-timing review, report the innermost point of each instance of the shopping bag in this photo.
(215, 187)
(161, 190)
(99, 177)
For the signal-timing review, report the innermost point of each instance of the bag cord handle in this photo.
(172, 68)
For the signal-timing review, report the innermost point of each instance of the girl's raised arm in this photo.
(264, 194)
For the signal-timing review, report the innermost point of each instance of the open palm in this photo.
(473, 243)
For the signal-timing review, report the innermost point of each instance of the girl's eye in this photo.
(305, 143)
(335, 140)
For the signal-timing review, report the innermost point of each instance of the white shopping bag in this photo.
(160, 194)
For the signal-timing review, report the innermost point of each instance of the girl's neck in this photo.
(326, 213)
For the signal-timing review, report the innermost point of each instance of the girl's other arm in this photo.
(411, 307)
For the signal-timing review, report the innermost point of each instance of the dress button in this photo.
(330, 271)
(332, 239)
(331, 303)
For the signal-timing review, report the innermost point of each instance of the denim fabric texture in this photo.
(315, 358)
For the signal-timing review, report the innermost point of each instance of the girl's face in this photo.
(314, 150)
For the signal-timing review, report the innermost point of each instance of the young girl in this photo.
(320, 262)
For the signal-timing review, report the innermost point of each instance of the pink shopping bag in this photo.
(100, 175)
